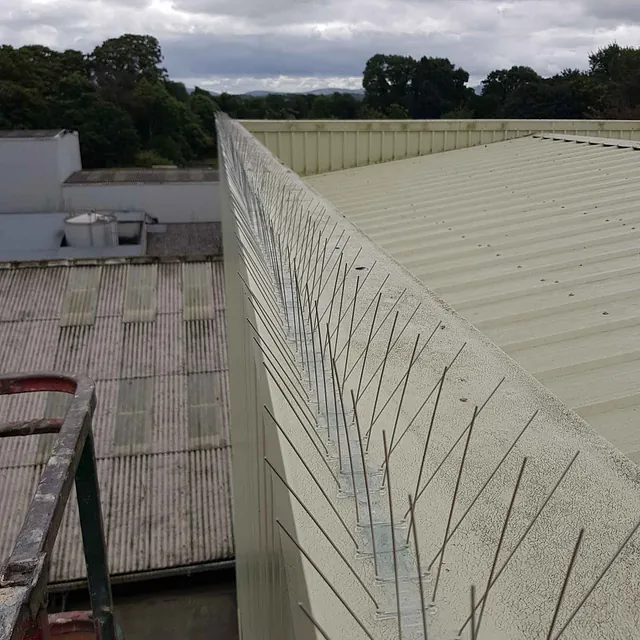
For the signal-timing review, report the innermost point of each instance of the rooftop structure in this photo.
(36, 134)
(536, 242)
(141, 176)
(41, 172)
(152, 336)
(392, 465)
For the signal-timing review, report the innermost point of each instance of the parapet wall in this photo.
(389, 460)
(320, 146)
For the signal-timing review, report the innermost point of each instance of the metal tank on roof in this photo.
(91, 230)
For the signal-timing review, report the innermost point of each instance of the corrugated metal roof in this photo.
(137, 176)
(161, 424)
(535, 241)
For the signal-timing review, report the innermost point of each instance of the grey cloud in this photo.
(268, 56)
(200, 40)
(252, 9)
(613, 11)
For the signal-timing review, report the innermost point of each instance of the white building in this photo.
(33, 166)
(41, 172)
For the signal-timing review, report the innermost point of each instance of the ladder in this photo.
(24, 578)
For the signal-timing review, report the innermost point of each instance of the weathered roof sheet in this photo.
(142, 176)
(161, 425)
(186, 238)
(536, 241)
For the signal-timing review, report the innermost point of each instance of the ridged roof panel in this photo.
(164, 482)
(536, 241)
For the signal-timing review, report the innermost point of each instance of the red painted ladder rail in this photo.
(24, 578)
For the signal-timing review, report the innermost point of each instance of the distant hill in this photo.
(314, 92)
(357, 93)
(330, 91)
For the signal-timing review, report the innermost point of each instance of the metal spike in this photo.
(424, 403)
(366, 483)
(286, 397)
(404, 378)
(324, 373)
(595, 584)
(314, 622)
(366, 349)
(302, 405)
(375, 333)
(326, 580)
(500, 541)
(423, 612)
(406, 324)
(350, 335)
(486, 483)
(412, 361)
(335, 401)
(574, 555)
(526, 532)
(453, 501)
(474, 635)
(393, 535)
(384, 364)
(315, 480)
(313, 348)
(455, 444)
(323, 531)
(344, 419)
(262, 344)
(375, 297)
(426, 445)
(337, 330)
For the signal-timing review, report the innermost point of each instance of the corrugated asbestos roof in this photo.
(142, 176)
(152, 336)
(536, 241)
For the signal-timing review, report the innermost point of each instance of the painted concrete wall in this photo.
(309, 541)
(310, 147)
(262, 574)
(174, 202)
(69, 160)
(32, 171)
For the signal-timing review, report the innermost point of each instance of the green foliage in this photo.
(118, 98)
(149, 158)
(128, 112)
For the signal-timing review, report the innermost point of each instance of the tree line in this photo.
(129, 112)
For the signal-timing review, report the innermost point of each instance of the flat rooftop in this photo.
(142, 176)
(535, 241)
(39, 236)
(41, 134)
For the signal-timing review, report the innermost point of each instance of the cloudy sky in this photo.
(289, 45)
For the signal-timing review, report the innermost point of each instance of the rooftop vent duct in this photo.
(91, 230)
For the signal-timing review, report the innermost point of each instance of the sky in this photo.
(297, 45)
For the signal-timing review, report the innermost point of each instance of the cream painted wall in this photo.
(310, 147)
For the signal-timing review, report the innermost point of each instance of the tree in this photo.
(120, 63)
(387, 81)
(499, 85)
(108, 137)
(618, 69)
(437, 86)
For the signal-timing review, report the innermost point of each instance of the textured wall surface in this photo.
(354, 387)
(312, 146)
